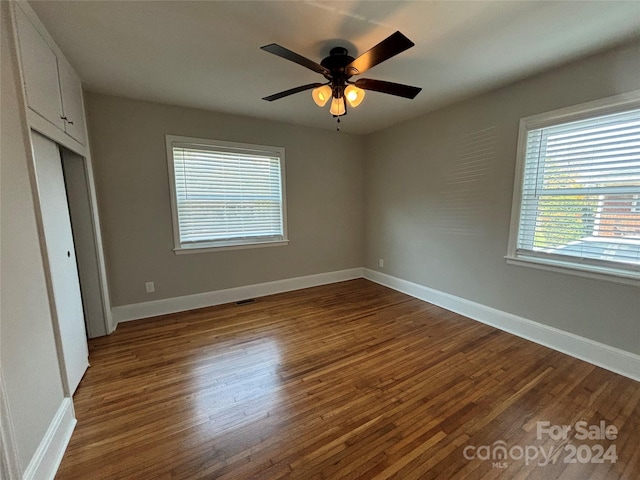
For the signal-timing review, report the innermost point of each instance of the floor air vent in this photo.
(244, 302)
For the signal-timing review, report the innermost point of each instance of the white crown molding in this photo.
(611, 358)
(200, 300)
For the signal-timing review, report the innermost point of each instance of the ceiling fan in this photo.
(339, 67)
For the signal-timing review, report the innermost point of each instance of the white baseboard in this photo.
(190, 302)
(9, 464)
(47, 457)
(613, 359)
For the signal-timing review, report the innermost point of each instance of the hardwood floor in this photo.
(350, 380)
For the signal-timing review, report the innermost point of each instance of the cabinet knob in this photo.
(63, 118)
(69, 122)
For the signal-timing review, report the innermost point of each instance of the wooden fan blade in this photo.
(291, 91)
(391, 88)
(294, 57)
(389, 47)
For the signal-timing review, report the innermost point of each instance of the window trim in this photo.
(237, 244)
(609, 105)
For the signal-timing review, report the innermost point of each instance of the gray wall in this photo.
(27, 347)
(438, 202)
(435, 194)
(324, 175)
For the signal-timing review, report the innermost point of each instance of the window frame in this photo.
(234, 244)
(605, 106)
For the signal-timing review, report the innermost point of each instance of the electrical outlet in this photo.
(150, 287)
(381, 263)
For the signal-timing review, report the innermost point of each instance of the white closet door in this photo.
(62, 260)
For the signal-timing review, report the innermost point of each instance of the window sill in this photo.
(600, 273)
(208, 248)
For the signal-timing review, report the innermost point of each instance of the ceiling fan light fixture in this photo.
(321, 95)
(354, 95)
(337, 107)
(339, 67)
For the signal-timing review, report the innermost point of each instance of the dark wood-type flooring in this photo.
(349, 380)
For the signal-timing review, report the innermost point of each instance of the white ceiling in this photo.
(206, 54)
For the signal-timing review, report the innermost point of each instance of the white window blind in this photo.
(227, 195)
(578, 188)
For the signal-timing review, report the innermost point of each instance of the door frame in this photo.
(83, 152)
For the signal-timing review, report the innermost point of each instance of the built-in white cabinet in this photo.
(52, 88)
(52, 101)
(71, 94)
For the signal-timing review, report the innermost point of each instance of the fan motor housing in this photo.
(336, 62)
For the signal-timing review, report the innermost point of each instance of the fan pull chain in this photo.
(338, 127)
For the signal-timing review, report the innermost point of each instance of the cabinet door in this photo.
(62, 259)
(71, 91)
(40, 69)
